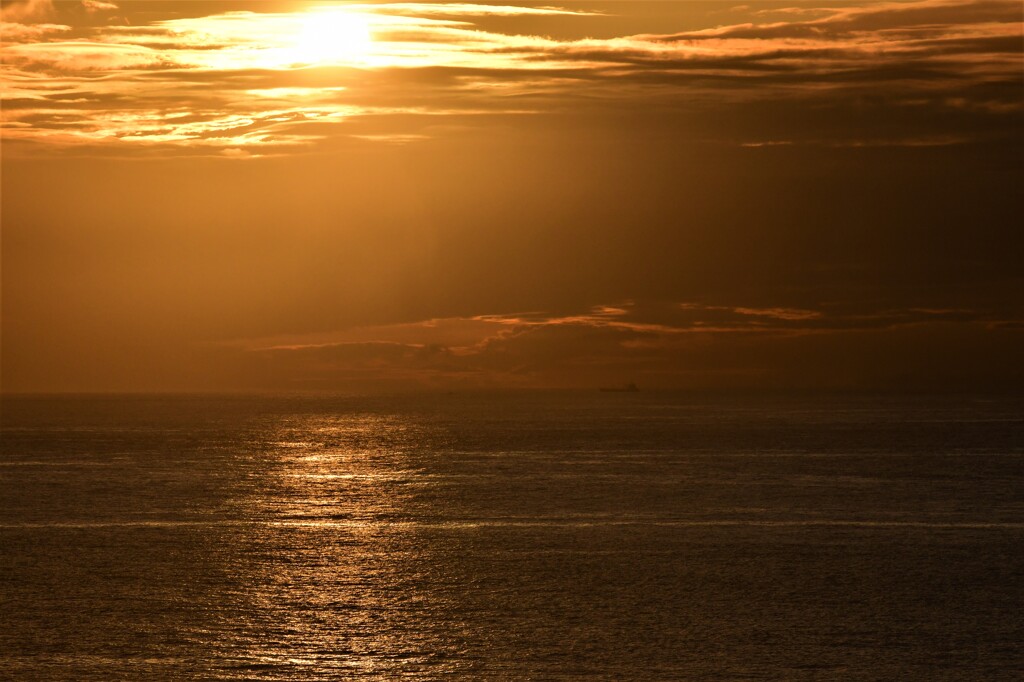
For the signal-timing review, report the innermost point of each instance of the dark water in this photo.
(545, 536)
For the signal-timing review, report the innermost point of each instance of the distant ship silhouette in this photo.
(625, 388)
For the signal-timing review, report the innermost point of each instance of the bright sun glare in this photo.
(332, 37)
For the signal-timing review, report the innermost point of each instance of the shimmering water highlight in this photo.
(549, 535)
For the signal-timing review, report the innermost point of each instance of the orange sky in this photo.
(362, 196)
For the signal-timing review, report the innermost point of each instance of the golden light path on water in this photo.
(533, 536)
(344, 599)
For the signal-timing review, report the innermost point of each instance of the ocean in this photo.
(548, 535)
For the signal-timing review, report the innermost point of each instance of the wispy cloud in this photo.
(924, 72)
(98, 6)
(656, 343)
(463, 334)
(27, 10)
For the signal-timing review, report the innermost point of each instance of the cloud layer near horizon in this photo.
(659, 345)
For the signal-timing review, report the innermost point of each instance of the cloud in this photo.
(419, 9)
(82, 56)
(904, 74)
(659, 344)
(236, 153)
(780, 313)
(27, 11)
(93, 6)
(869, 23)
(12, 32)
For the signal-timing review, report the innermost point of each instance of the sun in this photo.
(332, 37)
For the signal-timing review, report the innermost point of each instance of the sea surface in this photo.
(521, 536)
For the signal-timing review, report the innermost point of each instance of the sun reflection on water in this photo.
(335, 578)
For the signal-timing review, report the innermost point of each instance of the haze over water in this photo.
(524, 535)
